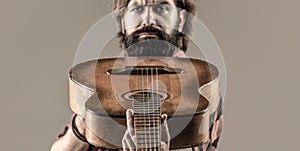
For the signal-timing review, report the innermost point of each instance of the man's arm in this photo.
(68, 141)
(216, 133)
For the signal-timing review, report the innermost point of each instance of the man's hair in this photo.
(182, 41)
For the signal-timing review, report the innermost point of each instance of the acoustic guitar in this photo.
(185, 89)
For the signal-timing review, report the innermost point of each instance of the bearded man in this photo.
(148, 28)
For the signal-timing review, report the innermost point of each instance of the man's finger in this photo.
(130, 141)
(165, 135)
(179, 54)
(129, 117)
(124, 144)
(164, 146)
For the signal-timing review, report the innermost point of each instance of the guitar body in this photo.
(184, 89)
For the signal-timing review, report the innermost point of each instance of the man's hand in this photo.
(80, 124)
(69, 141)
(129, 141)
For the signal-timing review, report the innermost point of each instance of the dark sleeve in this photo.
(216, 127)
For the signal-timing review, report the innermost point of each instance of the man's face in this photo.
(151, 27)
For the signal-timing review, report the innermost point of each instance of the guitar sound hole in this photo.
(145, 95)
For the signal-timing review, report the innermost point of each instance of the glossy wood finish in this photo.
(191, 96)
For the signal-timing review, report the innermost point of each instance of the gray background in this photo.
(259, 40)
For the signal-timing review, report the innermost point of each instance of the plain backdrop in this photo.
(259, 41)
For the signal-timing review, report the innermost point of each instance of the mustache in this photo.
(148, 29)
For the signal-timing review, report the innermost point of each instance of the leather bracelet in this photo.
(76, 132)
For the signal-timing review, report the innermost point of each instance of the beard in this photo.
(162, 44)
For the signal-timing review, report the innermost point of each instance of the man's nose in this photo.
(148, 17)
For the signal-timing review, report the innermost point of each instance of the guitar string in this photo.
(155, 115)
(137, 109)
(135, 103)
(147, 105)
(153, 110)
(158, 110)
(152, 95)
(157, 107)
(151, 98)
(144, 109)
(141, 111)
